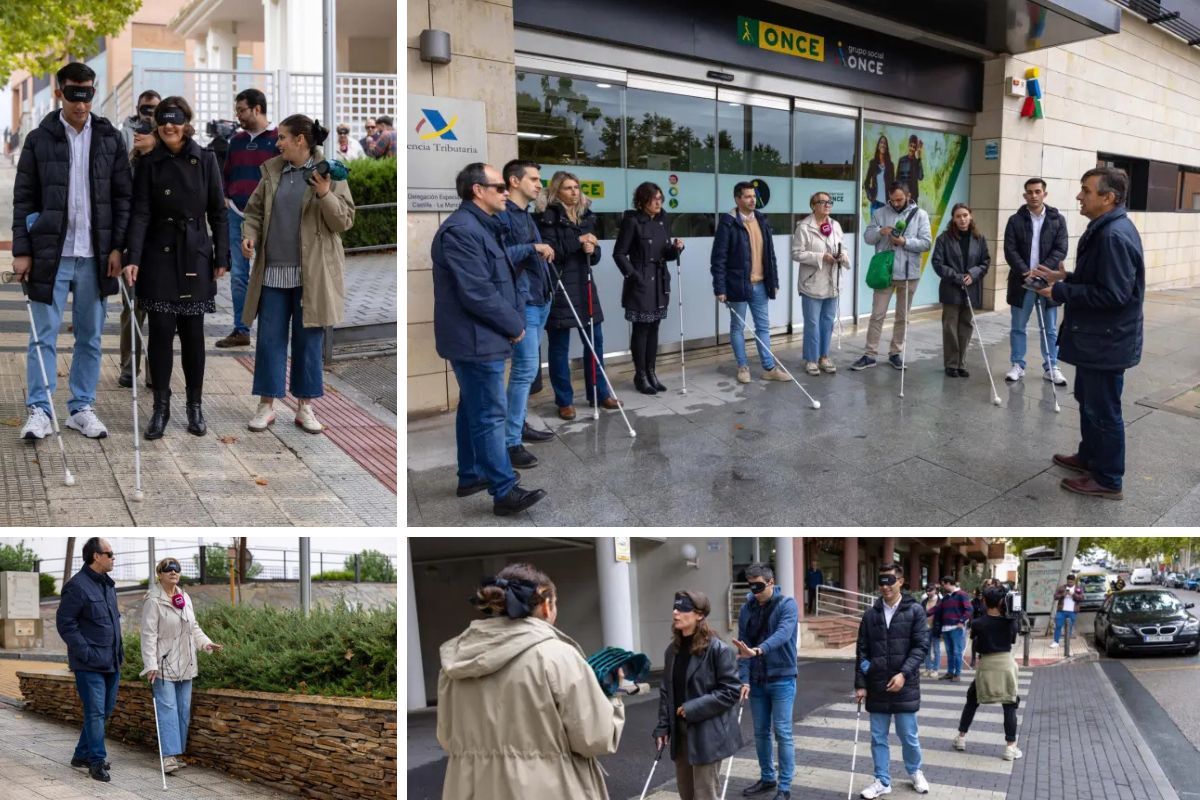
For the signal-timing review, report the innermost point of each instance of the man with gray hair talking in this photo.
(1102, 332)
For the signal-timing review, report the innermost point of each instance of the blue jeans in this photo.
(1020, 319)
(956, 641)
(560, 366)
(762, 327)
(239, 272)
(479, 426)
(98, 695)
(279, 311)
(771, 706)
(77, 275)
(525, 362)
(1101, 426)
(934, 658)
(173, 699)
(1059, 619)
(881, 754)
(819, 316)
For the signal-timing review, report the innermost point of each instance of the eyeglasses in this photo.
(823, 203)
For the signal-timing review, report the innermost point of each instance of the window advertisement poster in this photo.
(934, 165)
(1041, 579)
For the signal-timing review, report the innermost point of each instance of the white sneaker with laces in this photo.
(960, 742)
(1055, 376)
(1015, 374)
(170, 765)
(38, 425)
(86, 422)
(920, 785)
(1012, 752)
(307, 420)
(263, 418)
(876, 789)
(1054, 645)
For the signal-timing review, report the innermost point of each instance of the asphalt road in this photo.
(628, 767)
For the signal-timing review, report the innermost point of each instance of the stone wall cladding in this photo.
(313, 747)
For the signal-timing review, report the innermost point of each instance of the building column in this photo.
(416, 669)
(616, 609)
(850, 563)
(799, 569)
(887, 549)
(221, 46)
(785, 574)
(935, 565)
(914, 567)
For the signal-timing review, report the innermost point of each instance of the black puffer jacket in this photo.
(1018, 237)
(42, 182)
(642, 250)
(562, 235)
(900, 648)
(712, 692)
(178, 201)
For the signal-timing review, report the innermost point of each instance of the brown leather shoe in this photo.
(611, 403)
(1086, 484)
(1070, 462)
(566, 412)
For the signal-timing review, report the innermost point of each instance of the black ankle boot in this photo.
(642, 385)
(161, 415)
(195, 415)
(652, 378)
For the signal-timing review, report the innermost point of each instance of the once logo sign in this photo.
(859, 59)
(441, 128)
(762, 193)
(778, 39)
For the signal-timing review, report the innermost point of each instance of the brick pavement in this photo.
(10, 687)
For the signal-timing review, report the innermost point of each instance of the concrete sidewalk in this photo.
(757, 454)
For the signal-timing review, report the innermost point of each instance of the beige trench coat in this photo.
(170, 636)
(322, 259)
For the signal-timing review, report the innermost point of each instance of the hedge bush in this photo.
(372, 181)
(334, 652)
(334, 575)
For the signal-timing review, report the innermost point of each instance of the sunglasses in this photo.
(170, 566)
(499, 187)
(107, 554)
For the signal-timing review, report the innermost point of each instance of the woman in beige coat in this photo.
(170, 638)
(520, 712)
(296, 275)
(817, 249)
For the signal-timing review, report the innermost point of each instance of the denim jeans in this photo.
(1060, 618)
(1101, 426)
(279, 312)
(78, 276)
(1020, 319)
(526, 361)
(98, 695)
(819, 316)
(762, 327)
(239, 271)
(173, 699)
(881, 754)
(771, 706)
(955, 644)
(934, 659)
(560, 366)
(479, 426)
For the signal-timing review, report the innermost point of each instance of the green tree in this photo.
(374, 567)
(16, 558)
(1019, 544)
(216, 564)
(1130, 548)
(39, 37)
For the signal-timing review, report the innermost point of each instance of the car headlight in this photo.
(1191, 624)
(1121, 629)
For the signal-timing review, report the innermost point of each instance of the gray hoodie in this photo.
(918, 239)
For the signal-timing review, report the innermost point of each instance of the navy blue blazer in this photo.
(89, 622)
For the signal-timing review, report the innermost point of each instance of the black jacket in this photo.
(174, 195)
(730, 261)
(89, 623)
(1102, 329)
(712, 692)
(642, 250)
(900, 648)
(572, 263)
(1018, 236)
(42, 182)
(948, 263)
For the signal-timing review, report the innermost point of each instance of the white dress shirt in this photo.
(78, 241)
(1034, 244)
(890, 611)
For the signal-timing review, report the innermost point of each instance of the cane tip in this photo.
(69, 479)
(816, 404)
(632, 434)
(139, 496)
(995, 401)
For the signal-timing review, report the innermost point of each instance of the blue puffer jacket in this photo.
(1102, 328)
(476, 309)
(730, 261)
(89, 622)
(779, 648)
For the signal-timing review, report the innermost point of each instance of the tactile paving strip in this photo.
(375, 377)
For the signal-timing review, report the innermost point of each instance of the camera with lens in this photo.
(220, 131)
(143, 126)
(334, 170)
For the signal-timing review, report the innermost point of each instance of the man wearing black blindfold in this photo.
(766, 646)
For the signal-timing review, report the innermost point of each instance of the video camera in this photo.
(335, 170)
(220, 131)
(143, 126)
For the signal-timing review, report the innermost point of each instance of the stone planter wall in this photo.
(314, 747)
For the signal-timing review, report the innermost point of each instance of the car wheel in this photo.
(1110, 646)
(1193, 651)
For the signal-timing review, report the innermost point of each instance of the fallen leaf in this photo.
(739, 426)
(228, 439)
(62, 374)
(261, 481)
(11, 422)
(349, 655)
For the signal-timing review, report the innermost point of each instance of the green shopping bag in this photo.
(879, 271)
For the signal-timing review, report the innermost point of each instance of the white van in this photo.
(1141, 577)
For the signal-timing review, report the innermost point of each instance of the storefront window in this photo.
(563, 120)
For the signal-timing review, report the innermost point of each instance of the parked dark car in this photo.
(1146, 620)
(1193, 582)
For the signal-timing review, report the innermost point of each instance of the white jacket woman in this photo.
(818, 248)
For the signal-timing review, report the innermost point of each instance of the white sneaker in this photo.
(743, 374)
(85, 421)
(1015, 374)
(170, 765)
(1054, 645)
(38, 425)
(920, 785)
(960, 742)
(263, 418)
(1012, 752)
(1055, 376)
(307, 420)
(876, 789)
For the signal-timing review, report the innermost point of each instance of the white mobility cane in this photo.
(854, 756)
(764, 346)
(979, 336)
(679, 292)
(592, 333)
(1049, 356)
(904, 344)
(650, 777)
(157, 731)
(136, 336)
(729, 769)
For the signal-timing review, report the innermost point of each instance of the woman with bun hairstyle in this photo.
(292, 236)
(519, 708)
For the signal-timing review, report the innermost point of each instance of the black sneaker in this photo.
(531, 435)
(125, 381)
(895, 360)
(520, 457)
(517, 500)
(782, 794)
(962, 373)
(951, 372)
(863, 363)
(759, 788)
(83, 762)
(99, 772)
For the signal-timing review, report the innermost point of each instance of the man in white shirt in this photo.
(1067, 599)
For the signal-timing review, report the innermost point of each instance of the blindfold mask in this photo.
(79, 94)
(887, 580)
(758, 587)
(147, 109)
(169, 116)
(684, 603)
(170, 566)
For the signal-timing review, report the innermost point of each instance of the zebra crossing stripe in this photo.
(932, 756)
(933, 713)
(946, 733)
